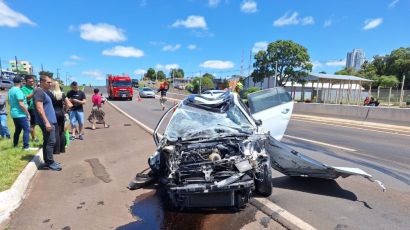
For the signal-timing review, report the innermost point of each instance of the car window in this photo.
(263, 100)
(283, 95)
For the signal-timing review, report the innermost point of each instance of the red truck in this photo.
(119, 87)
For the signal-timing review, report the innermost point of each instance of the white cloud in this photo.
(140, 71)
(75, 57)
(213, 3)
(293, 19)
(308, 20)
(191, 47)
(316, 64)
(171, 47)
(217, 64)
(372, 23)
(393, 4)
(101, 32)
(155, 43)
(11, 18)
(95, 74)
(166, 67)
(249, 6)
(336, 63)
(69, 63)
(327, 23)
(124, 51)
(263, 45)
(192, 22)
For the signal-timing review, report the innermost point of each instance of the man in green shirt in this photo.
(19, 113)
(28, 91)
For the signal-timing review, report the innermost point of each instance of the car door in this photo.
(293, 163)
(274, 108)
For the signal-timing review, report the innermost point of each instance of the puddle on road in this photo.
(151, 214)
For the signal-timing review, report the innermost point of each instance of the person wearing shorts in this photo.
(77, 98)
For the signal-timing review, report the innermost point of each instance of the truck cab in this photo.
(119, 87)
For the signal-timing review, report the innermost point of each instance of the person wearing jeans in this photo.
(19, 113)
(4, 129)
(47, 120)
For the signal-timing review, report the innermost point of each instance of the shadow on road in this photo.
(313, 185)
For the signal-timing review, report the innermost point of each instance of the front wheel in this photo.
(263, 182)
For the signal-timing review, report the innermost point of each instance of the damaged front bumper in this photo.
(212, 195)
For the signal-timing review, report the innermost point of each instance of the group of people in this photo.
(371, 102)
(47, 106)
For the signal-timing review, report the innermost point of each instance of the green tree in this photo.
(293, 62)
(387, 81)
(322, 72)
(150, 74)
(47, 73)
(208, 75)
(205, 82)
(347, 71)
(177, 73)
(161, 75)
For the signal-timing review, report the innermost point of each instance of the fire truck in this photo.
(119, 87)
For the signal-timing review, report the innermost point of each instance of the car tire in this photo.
(264, 187)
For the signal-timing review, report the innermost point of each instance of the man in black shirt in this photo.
(77, 98)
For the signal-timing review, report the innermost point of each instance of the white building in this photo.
(21, 66)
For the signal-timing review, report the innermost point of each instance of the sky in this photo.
(89, 39)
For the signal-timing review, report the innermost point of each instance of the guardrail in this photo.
(397, 116)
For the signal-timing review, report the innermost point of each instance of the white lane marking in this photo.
(146, 128)
(279, 214)
(352, 127)
(321, 143)
(284, 217)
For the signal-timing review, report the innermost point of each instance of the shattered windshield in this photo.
(189, 122)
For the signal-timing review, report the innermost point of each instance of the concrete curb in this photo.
(12, 198)
(279, 214)
(266, 206)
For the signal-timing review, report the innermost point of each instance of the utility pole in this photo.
(1, 70)
(242, 64)
(58, 76)
(42, 68)
(402, 92)
(66, 78)
(15, 58)
(200, 83)
(276, 72)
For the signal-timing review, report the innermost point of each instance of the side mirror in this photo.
(258, 122)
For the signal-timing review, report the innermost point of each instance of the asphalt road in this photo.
(345, 203)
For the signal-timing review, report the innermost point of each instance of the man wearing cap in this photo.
(19, 113)
(77, 98)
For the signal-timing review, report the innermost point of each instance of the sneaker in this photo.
(30, 149)
(72, 138)
(81, 136)
(55, 167)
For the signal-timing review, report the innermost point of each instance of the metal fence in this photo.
(387, 97)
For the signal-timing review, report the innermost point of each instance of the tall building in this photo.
(355, 59)
(21, 66)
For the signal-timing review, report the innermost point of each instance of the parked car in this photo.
(146, 92)
(5, 84)
(215, 152)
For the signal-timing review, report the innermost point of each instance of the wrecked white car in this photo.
(216, 152)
